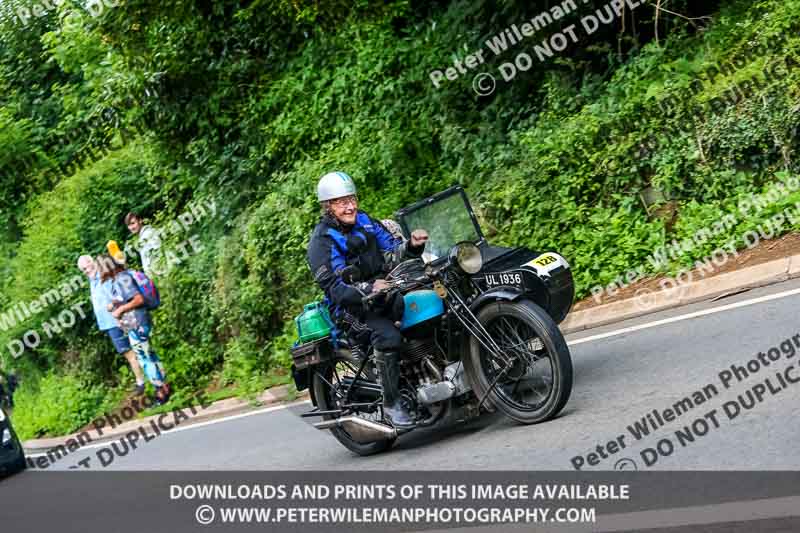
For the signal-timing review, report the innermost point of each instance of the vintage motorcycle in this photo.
(480, 324)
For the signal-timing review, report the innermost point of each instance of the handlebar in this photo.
(394, 285)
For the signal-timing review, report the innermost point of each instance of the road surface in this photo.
(622, 373)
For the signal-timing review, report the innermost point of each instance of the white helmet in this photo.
(335, 185)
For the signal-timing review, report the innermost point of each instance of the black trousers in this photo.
(385, 336)
(380, 318)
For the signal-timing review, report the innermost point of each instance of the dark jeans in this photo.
(385, 336)
(380, 319)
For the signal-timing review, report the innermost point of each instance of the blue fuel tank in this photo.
(420, 306)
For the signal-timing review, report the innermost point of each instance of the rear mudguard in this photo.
(302, 381)
(304, 377)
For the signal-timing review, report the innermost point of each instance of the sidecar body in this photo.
(507, 273)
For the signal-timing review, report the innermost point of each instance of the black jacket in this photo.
(367, 244)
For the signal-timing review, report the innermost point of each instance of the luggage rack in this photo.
(311, 353)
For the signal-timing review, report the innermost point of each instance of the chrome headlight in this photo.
(467, 256)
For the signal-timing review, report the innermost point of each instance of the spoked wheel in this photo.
(330, 384)
(530, 380)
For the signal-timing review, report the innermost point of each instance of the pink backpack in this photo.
(147, 288)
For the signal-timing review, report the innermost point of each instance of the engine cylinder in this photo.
(416, 350)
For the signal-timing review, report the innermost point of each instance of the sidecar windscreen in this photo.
(448, 219)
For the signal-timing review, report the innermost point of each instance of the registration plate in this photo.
(513, 279)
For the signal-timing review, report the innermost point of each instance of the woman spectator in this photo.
(127, 306)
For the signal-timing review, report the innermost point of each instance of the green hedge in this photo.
(252, 105)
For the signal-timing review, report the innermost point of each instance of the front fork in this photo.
(472, 326)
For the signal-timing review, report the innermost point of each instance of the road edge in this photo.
(219, 409)
(649, 302)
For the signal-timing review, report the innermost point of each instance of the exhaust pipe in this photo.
(362, 431)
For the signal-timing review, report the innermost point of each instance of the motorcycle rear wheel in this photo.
(328, 400)
(531, 340)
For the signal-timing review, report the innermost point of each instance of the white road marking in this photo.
(191, 426)
(679, 318)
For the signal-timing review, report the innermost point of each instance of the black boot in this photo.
(389, 367)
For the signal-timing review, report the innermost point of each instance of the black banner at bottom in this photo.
(399, 501)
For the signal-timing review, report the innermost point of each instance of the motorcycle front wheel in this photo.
(530, 379)
(329, 383)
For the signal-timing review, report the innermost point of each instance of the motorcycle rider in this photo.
(346, 236)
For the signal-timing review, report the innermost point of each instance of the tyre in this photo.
(326, 382)
(530, 380)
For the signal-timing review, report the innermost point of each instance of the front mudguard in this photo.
(550, 286)
(556, 303)
(508, 294)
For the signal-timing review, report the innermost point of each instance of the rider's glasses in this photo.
(344, 201)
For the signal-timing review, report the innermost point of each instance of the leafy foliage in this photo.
(247, 103)
(60, 404)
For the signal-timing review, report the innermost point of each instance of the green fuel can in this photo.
(314, 322)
